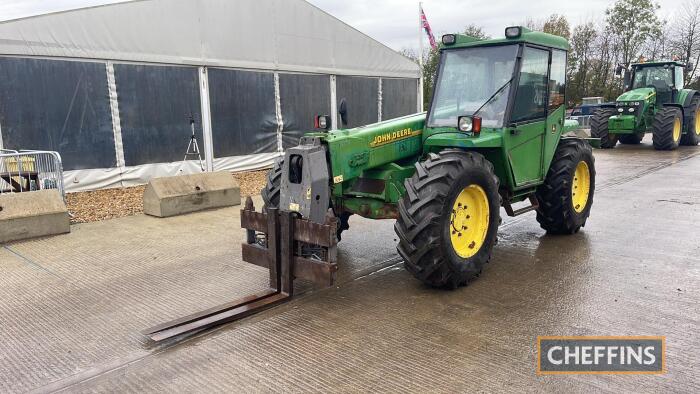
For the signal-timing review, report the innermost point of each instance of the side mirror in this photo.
(690, 66)
(626, 82)
(343, 111)
(619, 70)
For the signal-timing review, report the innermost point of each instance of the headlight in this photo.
(469, 124)
(631, 109)
(620, 109)
(322, 122)
(637, 103)
(513, 32)
(465, 124)
(449, 39)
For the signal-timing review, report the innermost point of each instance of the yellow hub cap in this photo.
(581, 187)
(469, 221)
(697, 122)
(677, 129)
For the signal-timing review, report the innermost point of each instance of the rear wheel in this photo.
(631, 139)
(667, 127)
(692, 135)
(599, 128)
(448, 218)
(566, 196)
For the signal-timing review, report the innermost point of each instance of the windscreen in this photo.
(660, 77)
(472, 79)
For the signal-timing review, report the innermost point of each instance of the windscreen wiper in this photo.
(493, 96)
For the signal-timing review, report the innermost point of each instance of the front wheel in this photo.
(448, 218)
(599, 127)
(667, 128)
(566, 196)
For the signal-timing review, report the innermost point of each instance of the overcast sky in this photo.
(395, 22)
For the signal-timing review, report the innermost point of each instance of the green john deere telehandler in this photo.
(654, 102)
(494, 135)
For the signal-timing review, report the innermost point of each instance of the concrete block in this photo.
(177, 195)
(32, 214)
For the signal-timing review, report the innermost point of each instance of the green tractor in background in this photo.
(654, 102)
(494, 135)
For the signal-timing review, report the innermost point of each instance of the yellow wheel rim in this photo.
(677, 129)
(581, 187)
(469, 222)
(697, 122)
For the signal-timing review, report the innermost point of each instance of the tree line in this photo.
(632, 30)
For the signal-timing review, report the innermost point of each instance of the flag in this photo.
(428, 30)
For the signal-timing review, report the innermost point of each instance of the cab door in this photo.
(556, 105)
(525, 139)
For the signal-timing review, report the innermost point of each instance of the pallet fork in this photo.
(289, 246)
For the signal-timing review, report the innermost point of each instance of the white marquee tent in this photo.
(111, 87)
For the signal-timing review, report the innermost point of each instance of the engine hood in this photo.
(639, 94)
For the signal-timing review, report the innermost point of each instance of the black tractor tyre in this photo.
(427, 217)
(343, 223)
(692, 135)
(663, 128)
(271, 191)
(271, 195)
(557, 213)
(599, 127)
(631, 139)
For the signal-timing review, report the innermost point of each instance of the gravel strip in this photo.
(107, 204)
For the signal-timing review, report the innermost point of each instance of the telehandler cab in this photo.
(654, 102)
(494, 135)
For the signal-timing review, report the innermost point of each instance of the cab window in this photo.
(531, 97)
(557, 80)
(678, 84)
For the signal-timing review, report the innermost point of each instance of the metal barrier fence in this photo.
(583, 120)
(30, 170)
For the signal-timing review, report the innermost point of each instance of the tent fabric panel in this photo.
(244, 118)
(362, 100)
(155, 103)
(399, 97)
(59, 106)
(302, 96)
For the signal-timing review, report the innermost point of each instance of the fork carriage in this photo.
(289, 247)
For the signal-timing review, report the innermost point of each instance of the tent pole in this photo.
(334, 104)
(206, 118)
(380, 99)
(116, 119)
(278, 113)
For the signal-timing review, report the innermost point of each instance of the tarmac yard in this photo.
(72, 306)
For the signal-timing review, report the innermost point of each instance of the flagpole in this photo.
(420, 55)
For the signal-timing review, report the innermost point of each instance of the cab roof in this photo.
(526, 36)
(658, 63)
